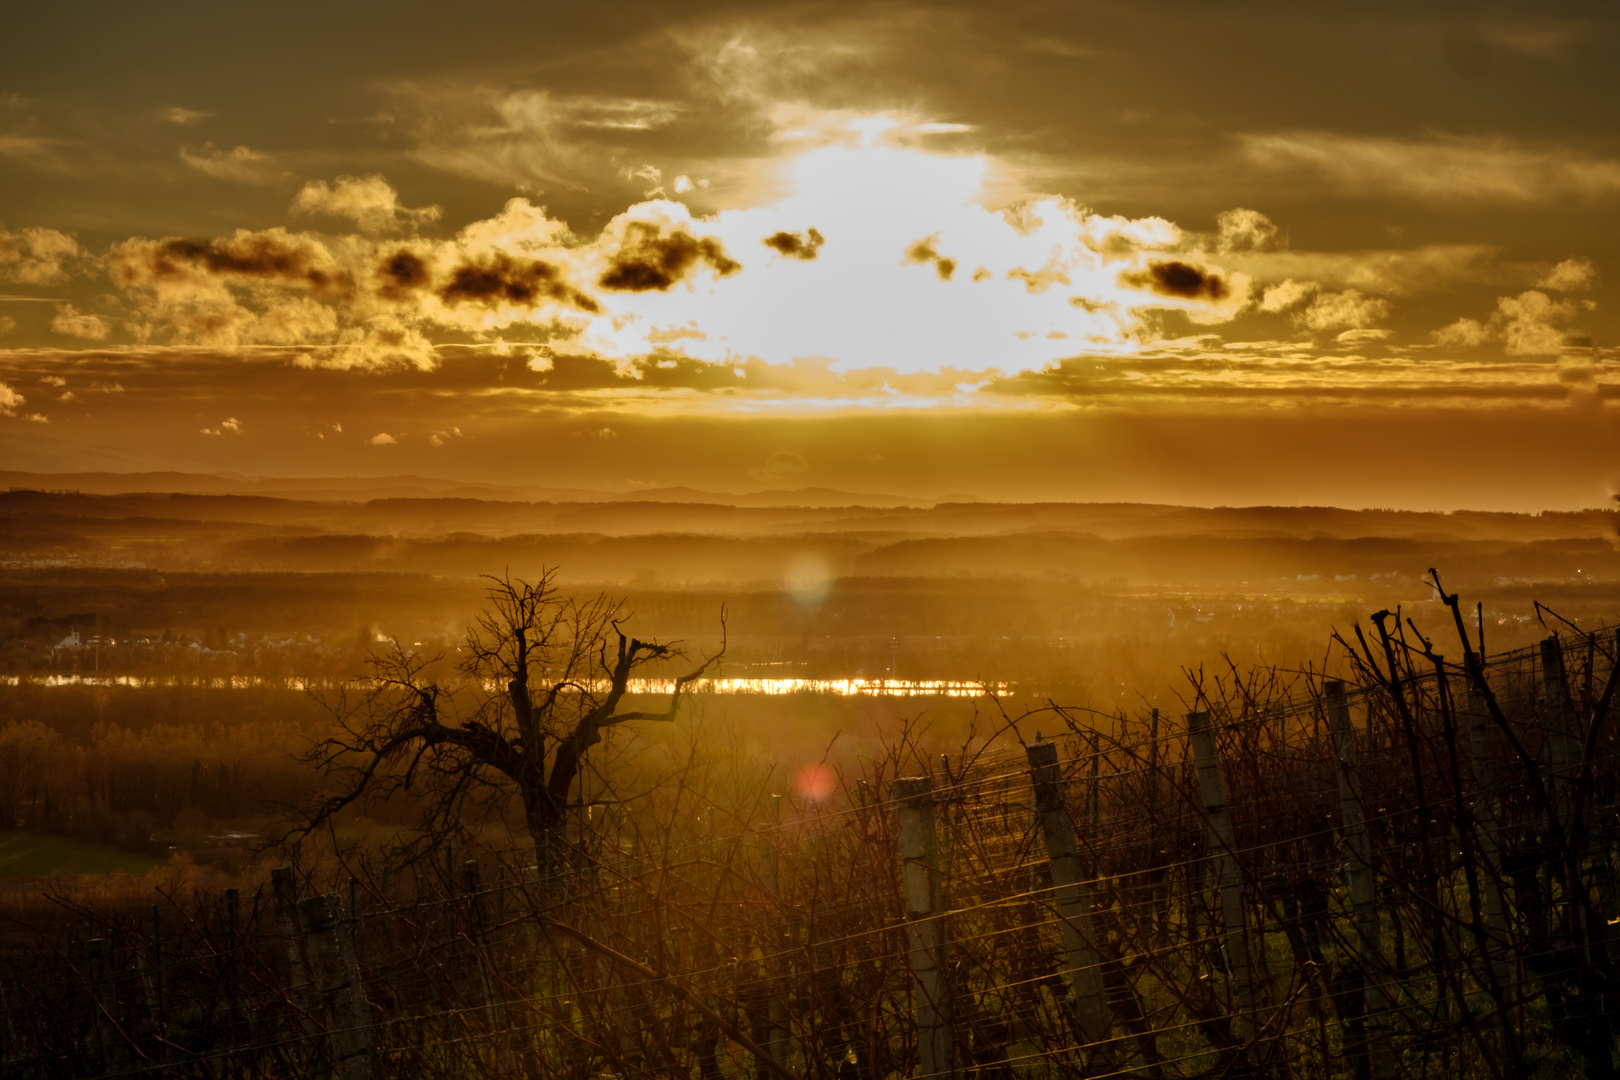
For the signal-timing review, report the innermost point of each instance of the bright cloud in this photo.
(1247, 230)
(72, 322)
(1464, 333)
(1530, 324)
(36, 256)
(1287, 295)
(1349, 309)
(1571, 275)
(368, 201)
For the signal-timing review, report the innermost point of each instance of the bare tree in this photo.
(540, 678)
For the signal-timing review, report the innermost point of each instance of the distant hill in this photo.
(683, 535)
(811, 498)
(336, 488)
(364, 489)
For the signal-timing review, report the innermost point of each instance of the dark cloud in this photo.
(1177, 279)
(250, 255)
(516, 281)
(649, 260)
(796, 245)
(402, 273)
(923, 251)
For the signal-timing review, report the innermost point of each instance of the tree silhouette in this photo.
(539, 679)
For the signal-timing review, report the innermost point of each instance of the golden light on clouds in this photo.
(908, 271)
(866, 214)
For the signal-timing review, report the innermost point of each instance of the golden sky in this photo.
(1172, 252)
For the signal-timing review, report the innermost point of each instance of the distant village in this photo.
(84, 649)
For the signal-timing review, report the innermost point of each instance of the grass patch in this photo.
(31, 854)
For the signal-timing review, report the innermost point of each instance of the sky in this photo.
(1253, 253)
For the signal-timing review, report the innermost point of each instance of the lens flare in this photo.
(814, 783)
(808, 578)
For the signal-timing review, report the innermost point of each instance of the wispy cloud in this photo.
(1380, 271)
(35, 151)
(1525, 33)
(241, 164)
(521, 136)
(1438, 169)
(183, 116)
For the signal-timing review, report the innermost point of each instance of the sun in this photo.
(883, 254)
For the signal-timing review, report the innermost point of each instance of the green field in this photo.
(30, 854)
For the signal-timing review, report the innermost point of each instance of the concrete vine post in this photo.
(1228, 873)
(291, 932)
(1363, 889)
(925, 927)
(114, 1049)
(484, 960)
(1071, 895)
(1484, 780)
(338, 993)
(1563, 733)
(770, 863)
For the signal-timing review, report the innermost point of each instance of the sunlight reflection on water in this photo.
(764, 687)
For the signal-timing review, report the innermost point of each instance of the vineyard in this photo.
(1403, 871)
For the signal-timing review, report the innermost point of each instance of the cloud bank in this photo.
(877, 252)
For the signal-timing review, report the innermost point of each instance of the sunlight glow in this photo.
(912, 272)
(952, 688)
